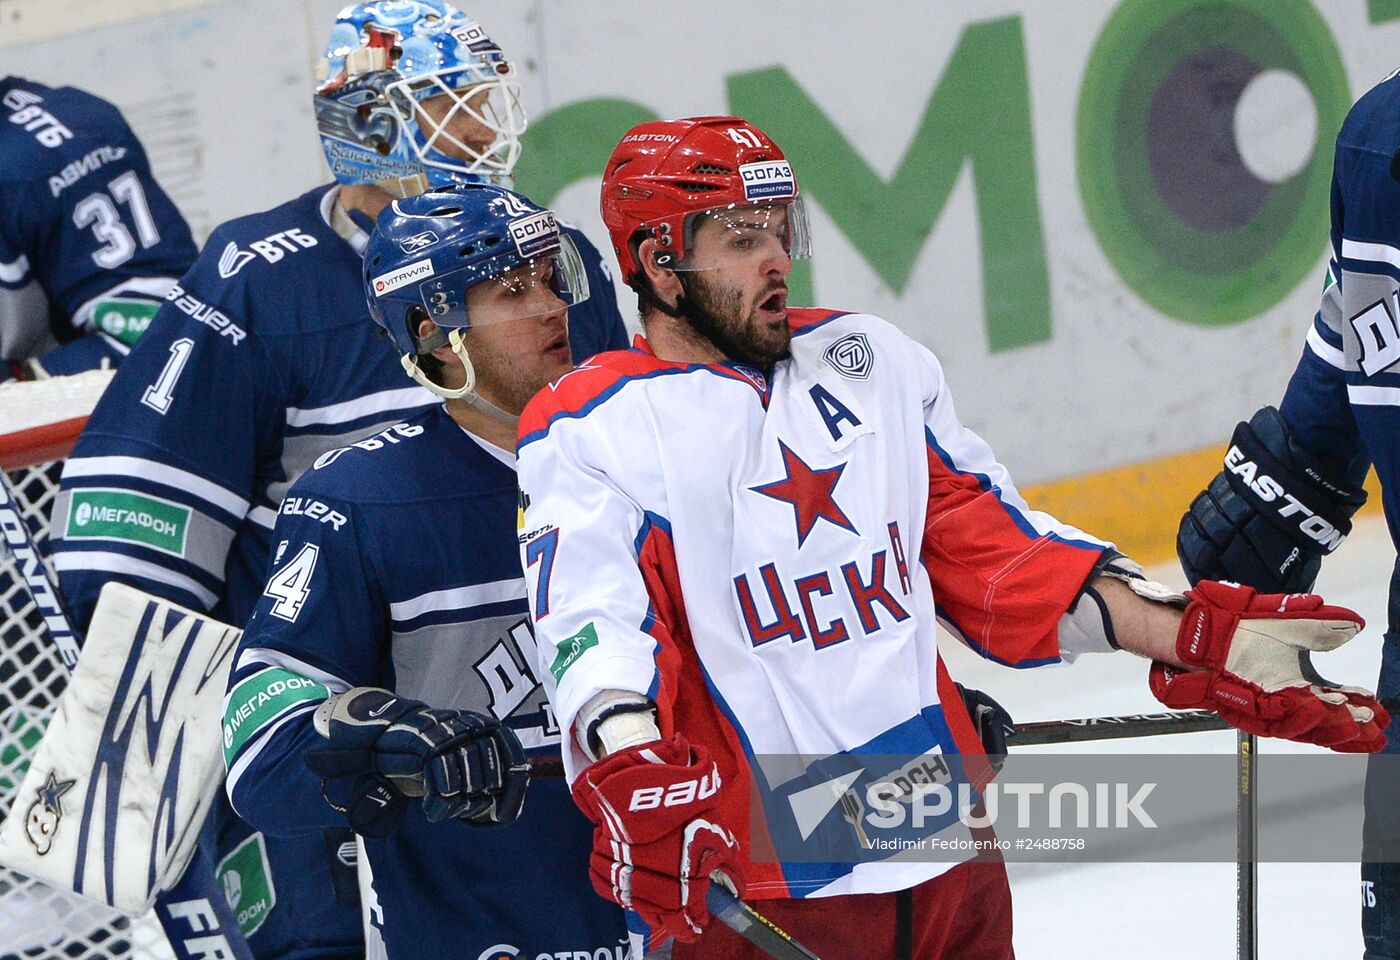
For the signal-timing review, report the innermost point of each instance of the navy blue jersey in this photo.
(262, 358)
(1344, 399)
(396, 566)
(89, 242)
(1343, 404)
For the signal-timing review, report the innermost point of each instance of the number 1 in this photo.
(160, 395)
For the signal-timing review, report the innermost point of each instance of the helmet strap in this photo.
(465, 391)
(648, 296)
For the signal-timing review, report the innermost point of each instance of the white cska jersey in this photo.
(766, 558)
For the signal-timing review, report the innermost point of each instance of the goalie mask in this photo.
(463, 257)
(413, 93)
(668, 179)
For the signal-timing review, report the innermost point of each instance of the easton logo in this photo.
(45, 813)
(1269, 490)
(851, 356)
(419, 241)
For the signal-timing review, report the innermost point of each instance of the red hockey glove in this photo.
(657, 840)
(1252, 652)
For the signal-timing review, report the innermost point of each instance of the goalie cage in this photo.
(39, 422)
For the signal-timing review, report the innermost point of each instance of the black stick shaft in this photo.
(1115, 728)
(1046, 731)
(1246, 842)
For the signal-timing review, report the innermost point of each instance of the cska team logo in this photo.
(851, 356)
(42, 819)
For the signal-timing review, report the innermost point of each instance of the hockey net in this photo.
(39, 422)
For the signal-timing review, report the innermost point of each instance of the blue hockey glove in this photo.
(1270, 516)
(464, 765)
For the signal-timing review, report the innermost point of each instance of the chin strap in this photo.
(464, 392)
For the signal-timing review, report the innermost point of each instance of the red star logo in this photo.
(809, 492)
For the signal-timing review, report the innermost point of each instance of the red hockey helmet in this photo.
(665, 172)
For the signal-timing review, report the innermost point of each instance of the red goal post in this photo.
(39, 423)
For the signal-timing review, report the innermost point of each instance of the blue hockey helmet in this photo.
(415, 91)
(428, 252)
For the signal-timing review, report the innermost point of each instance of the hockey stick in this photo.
(1045, 732)
(194, 913)
(754, 926)
(1246, 840)
(31, 566)
(1115, 728)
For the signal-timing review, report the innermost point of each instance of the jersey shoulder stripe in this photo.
(806, 319)
(585, 387)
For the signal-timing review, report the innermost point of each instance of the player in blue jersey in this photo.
(263, 359)
(89, 243)
(1293, 475)
(397, 570)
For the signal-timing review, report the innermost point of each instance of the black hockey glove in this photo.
(992, 721)
(1269, 517)
(464, 765)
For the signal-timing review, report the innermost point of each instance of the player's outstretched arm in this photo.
(1246, 655)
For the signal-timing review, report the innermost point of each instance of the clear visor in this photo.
(472, 130)
(545, 284)
(735, 234)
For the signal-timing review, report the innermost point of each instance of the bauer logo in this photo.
(535, 234)
(419, 241)
(136, 518)
(394, 279)
(768, 180)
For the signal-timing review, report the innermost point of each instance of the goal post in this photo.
(39, 423)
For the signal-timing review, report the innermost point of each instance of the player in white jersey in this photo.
(739, 536)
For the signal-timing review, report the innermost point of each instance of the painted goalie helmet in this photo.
(462, 257)
(667, 177)
(415, 92)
